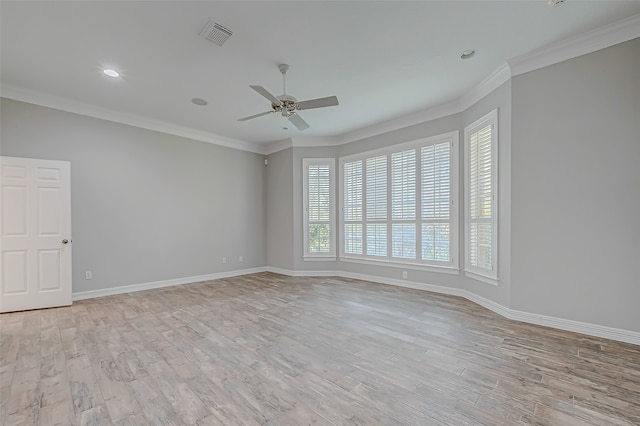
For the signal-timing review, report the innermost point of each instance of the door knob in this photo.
(65, 241)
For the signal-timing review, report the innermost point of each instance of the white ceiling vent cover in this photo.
(215, 32)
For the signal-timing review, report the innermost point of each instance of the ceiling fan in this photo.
(289, 106)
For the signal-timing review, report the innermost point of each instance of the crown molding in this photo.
(609, 35)
(278, 146)
(618, 32)
(422, 116)
(310, 141)
(486, 86)
(603, 37)
(93, 111)
(300, 142)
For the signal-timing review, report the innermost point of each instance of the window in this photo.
(353, 208)
(436, 202)
(403, 204)
(481, 197)
(398, 204)
(377, 205)
(319, 222)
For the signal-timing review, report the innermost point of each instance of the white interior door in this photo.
(36, 234)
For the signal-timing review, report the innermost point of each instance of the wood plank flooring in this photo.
(275, 350)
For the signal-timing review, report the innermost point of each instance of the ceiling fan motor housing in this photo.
(287, 106)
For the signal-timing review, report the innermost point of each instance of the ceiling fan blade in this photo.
(266, 94)
(318, 103)
(297, 121)
(251, 117)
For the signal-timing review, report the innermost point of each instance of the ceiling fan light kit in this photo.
(288, 106)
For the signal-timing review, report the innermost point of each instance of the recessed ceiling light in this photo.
(467, 54)
(199, 101)
(112, 73)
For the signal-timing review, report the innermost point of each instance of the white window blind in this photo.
(403, 185)
(377, 239)
(352, 207)
(436, 181)
(436, 201)
(403, 204)
(376, 205)
(403, 240)
(480, 214)
(319, 210)
(398, 203)
(377, 188)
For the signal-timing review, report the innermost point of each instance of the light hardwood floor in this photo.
(275, 350)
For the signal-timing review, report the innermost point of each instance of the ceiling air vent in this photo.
(215, 32)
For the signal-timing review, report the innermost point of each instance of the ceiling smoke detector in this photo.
(215, 32)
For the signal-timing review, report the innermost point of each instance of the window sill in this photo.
(412, 266)
(319, 258)
(484, 278)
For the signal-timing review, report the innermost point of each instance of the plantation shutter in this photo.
(436, 201)
(399, 204)
(318, 208)
(481, 198)
(376, 205)
(352, 205)
(403, 204)
(403, 185)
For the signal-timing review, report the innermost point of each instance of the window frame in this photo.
(418, 263)
(478, 273)
(307, 255)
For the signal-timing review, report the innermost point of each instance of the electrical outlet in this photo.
(404, 275)
(239, 258)
(88, 275)
(224, 259)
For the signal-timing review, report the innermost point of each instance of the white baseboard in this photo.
(605, 332)
(617, 334)
(165, 283)
(452, 291)
(293, 273)
(602, 331)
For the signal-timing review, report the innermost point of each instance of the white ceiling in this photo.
(383, 60)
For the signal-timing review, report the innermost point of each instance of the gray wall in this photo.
(576, 188)
(279, 209)
(499, 99)
(146, 206)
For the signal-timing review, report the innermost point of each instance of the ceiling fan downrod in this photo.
(283, 69)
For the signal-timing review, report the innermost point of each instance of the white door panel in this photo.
(35, 234)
